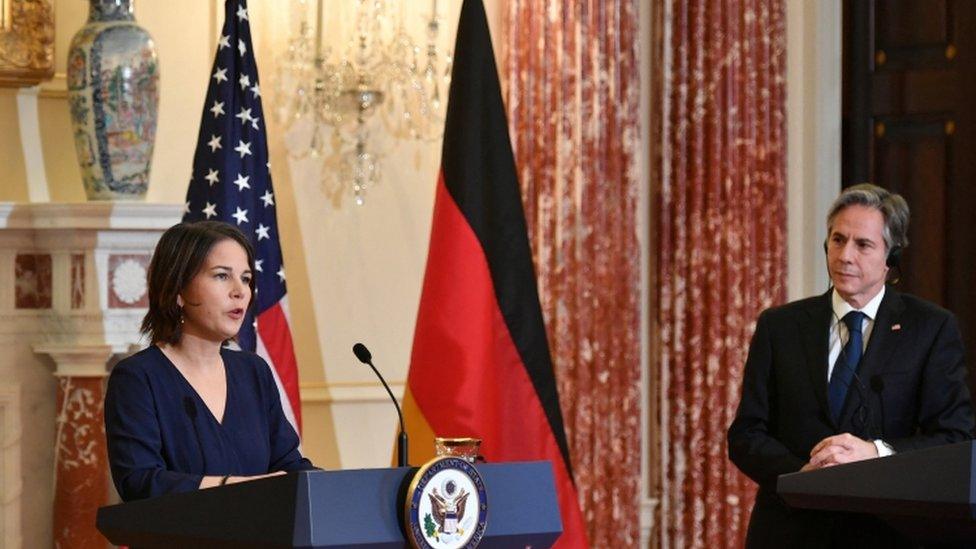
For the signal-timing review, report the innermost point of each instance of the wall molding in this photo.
(364, 422)
(648, 507)
(365, 392)
(11, 483)
(55, 88)
(100, 215)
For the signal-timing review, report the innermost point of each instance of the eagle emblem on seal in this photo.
(448, 506)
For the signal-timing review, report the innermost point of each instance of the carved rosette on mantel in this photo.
(26, 42)
(72, 294)
(113, 94)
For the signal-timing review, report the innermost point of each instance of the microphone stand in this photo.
(364, 356)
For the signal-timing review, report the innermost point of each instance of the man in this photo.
(859, 372)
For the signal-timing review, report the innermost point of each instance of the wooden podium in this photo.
(928, 495)
(360, 508)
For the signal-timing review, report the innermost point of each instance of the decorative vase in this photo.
(113, 95)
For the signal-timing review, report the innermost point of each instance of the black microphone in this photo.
(364, 356)
(877, 385)
(191, 411)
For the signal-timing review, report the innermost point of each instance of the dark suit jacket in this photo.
(912, 394)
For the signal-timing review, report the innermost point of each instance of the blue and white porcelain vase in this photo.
(113, 96)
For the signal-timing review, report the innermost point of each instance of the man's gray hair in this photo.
(892, 206)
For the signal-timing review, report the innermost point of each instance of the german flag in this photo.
(480, 364)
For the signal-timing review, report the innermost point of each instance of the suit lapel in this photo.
(814, 325)
(882, 343)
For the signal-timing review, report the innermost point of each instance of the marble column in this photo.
(720, 217)
(574, 111)
(81, 462)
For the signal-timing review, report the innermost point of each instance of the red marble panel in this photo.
(32, 281)
(127, 281)
(571, 71)
(721, 225)
(81, 463)
(77, 281)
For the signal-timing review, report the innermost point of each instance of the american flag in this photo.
(231, 182)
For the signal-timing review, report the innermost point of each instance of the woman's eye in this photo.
(221, 276)
(246, 280)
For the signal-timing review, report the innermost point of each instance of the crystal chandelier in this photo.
(382, 81)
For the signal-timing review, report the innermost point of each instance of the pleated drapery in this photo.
(571, 70)
(721, 247)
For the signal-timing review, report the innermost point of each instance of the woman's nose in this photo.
(239, 289)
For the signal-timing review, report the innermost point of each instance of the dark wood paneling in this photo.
(911, 156)
(910, 126)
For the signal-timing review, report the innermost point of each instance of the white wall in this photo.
(366, 266)
(813, 67)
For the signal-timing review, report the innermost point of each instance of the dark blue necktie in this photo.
(846, 364)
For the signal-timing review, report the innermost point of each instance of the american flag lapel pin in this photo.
(896, 327)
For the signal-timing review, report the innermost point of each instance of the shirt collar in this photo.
(842, 307)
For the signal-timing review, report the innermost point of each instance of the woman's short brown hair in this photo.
(178, 257)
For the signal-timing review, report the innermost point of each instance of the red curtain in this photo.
(571, 70)
(721, 257)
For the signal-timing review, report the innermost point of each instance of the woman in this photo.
(186, 412)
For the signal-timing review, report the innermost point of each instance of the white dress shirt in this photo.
(839, 336)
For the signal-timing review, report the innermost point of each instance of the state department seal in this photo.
(446, 505)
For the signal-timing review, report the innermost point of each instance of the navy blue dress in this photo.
(162, 438)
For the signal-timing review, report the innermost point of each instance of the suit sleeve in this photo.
(752, 447)
(134, 441)
(945, 413)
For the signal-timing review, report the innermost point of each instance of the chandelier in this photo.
(337, 106)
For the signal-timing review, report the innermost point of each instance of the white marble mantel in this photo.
(72, 286)
(138, 216)
(75, 273)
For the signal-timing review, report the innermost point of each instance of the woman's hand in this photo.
(235, 480)
(214, 481)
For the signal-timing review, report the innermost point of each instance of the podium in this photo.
(352, 508)
(928, 495)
